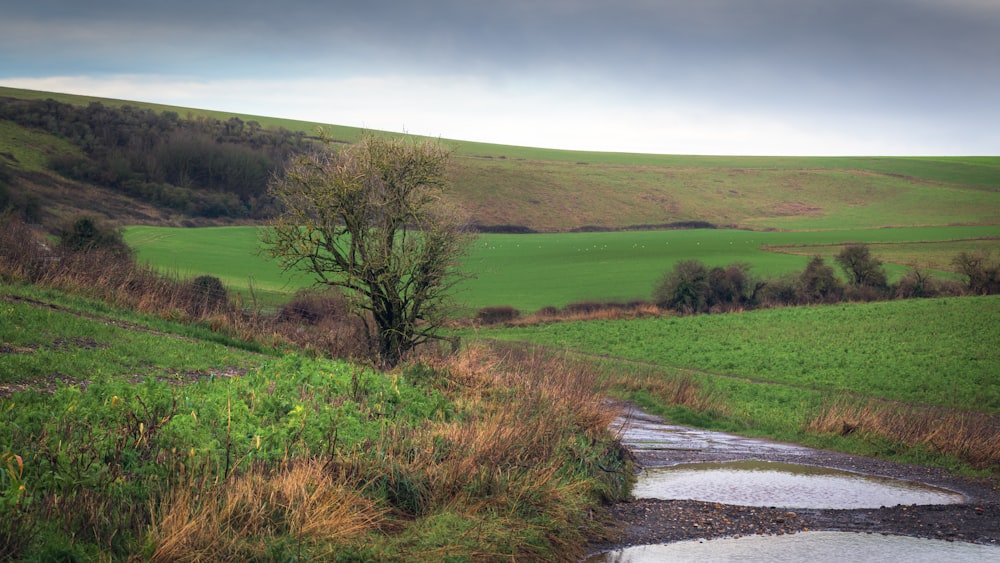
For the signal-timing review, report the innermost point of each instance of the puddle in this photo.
(641, 432)
(783, 485)
(814, 547)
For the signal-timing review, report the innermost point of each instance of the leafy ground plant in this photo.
(489, 454)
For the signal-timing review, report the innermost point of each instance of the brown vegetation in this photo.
(692, 287)
(239, 519)
(969, 436)
(579, 311)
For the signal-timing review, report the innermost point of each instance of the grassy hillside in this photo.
(552, 190)
(759, 193)
(25, 154)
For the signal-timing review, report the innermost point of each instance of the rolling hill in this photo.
(521, 189)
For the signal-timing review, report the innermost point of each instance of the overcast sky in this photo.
(818, 77)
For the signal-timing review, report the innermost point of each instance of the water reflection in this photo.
(814, 547)
(784, 485)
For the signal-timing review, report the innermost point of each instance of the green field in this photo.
(533, 271)
(64, 340)
(941, 352)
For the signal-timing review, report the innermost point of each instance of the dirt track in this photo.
(649, 521)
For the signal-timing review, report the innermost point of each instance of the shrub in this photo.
(322, 320)
(586, 307)
(981, 272)
(208, 295)
(916, 283)
(497, 315)
(818, 283)
(780, 291)
(87, 233)
(861, 267)
(310, 306)
(732, 287)
(548, 311)
(685, 288)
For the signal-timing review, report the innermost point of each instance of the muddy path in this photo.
(654, 443)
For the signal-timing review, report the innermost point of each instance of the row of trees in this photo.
(693, 287)
(199, 166)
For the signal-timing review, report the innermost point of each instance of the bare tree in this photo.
(370, 218)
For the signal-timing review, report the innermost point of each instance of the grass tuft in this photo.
(245, 517)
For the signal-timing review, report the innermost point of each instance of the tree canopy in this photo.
(370, 218)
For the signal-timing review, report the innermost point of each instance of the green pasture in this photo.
(29, 150)
(65, 341)
(942, 352)
(228, 253)
(929, 255)
(533, 271)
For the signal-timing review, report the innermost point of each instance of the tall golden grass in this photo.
(239, 519)
(512, 453)
(971, 437)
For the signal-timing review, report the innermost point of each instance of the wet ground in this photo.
(811, 547)
(651, 521)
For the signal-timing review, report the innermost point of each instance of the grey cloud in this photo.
(879, 56)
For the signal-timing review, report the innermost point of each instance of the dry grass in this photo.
(971, 437)
(679, 389)
(239, 519)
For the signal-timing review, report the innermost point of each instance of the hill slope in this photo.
(553, 190)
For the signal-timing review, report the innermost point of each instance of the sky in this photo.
(755, 77)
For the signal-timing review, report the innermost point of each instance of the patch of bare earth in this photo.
(795, 208)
